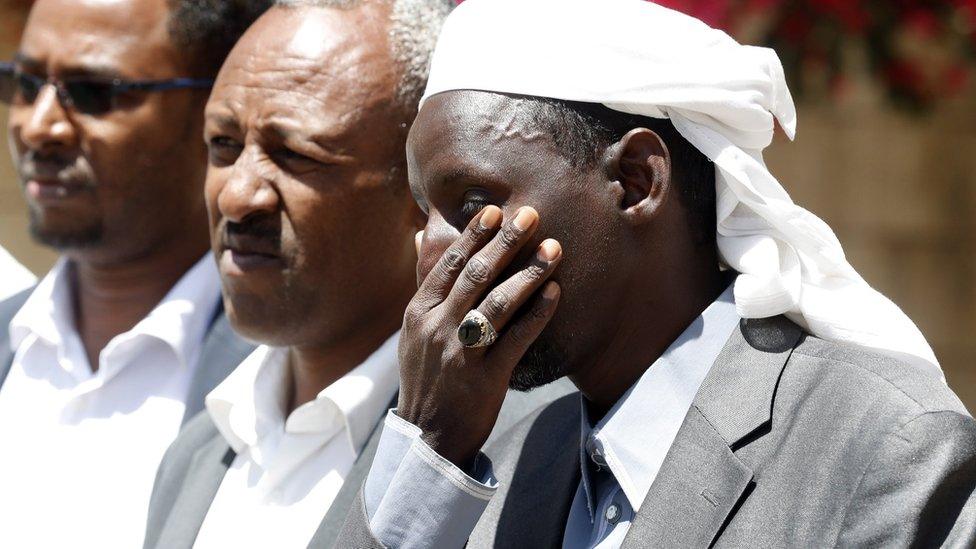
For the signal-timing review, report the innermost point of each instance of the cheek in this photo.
(15, 121)
(438, 237)
(149, 136)
(212, 187)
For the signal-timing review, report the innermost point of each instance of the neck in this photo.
(314, 367)
(110, 299)
(644, 332)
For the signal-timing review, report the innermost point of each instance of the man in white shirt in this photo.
(101, 363)
(314, 229)
(14, 276)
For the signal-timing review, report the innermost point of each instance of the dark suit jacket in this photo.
(222, 351)
(792, 441)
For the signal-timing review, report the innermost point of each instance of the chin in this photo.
(66, 236)
(257, 320)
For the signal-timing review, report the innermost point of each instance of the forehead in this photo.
(127, 36)
(482, 135)
(317, 66)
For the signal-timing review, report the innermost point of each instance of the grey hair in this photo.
(414, 27)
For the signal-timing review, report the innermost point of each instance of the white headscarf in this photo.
(640, 58)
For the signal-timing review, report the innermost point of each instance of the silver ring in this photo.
(475, 330)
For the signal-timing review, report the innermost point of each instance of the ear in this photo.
(639, 166)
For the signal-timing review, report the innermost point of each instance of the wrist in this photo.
(461, 454)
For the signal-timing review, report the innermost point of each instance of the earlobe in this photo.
(640, 166)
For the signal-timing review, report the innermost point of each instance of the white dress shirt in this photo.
(81, 447)
(14, 277)
(416, 498)
(288, 470)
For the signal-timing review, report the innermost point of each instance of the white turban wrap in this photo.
(640, 58)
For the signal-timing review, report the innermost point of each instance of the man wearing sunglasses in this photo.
(102, 362)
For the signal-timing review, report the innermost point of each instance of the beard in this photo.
(542, 364)
(83, 234)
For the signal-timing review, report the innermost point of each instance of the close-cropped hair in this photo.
(583, 131)
(206, 30)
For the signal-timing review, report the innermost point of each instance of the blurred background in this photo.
(885, 149)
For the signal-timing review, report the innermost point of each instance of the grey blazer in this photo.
(791, 441)
(195, 464)
(222, 351)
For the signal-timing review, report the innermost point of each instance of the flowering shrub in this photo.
(915, 51)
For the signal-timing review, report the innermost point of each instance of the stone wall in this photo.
(899, 191)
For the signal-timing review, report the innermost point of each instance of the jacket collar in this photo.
(634, 437)
(701, 480)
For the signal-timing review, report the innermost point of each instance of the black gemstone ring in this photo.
(475, 330)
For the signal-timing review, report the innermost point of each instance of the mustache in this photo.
(264, 232)
(66, 170)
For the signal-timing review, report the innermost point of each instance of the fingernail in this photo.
(418, 240)
(548, 250)
(491, 218)
(550, 291)
(524, 218)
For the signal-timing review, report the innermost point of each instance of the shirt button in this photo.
(613, 513)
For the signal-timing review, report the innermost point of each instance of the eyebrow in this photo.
(286, 132)
(97, 70)
(460, 173)
(222, 121)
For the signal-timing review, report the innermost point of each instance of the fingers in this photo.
(501, 303)
(485, 266)
(524, 330)
(438, 283)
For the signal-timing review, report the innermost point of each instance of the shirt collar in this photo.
(48, 311)
(180, 320)
(248, 407)
(634, 437)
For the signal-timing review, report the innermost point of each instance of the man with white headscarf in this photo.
(598, 207)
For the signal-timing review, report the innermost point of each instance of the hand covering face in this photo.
(640, 58)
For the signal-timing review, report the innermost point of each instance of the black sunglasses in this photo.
(86, 95)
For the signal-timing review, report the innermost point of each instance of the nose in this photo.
(249, 189)
(438, 237)
(43, 125)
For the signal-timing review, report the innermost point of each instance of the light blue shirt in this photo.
(621, 456)
(416, 498)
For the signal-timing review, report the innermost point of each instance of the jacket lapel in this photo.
(328, 530)
(223, 350)
(206, 471)
(540, 483)
(701, 480)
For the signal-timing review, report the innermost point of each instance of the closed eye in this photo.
(223, 150)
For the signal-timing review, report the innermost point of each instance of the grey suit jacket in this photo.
(195, 464)
(791, 441)
(222, 351)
